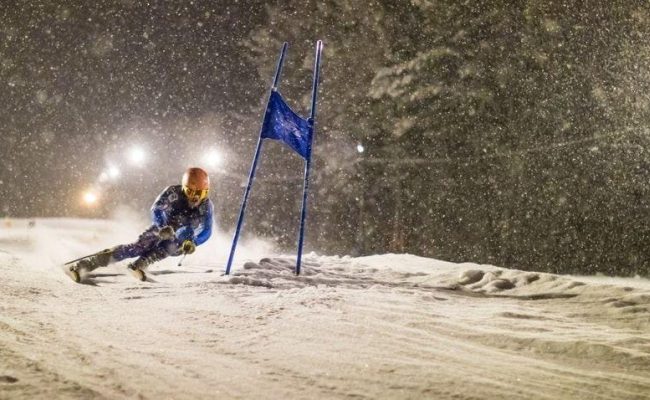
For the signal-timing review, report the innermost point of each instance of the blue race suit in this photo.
(171, 208)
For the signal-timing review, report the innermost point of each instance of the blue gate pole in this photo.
(251, 175)
(312, 116)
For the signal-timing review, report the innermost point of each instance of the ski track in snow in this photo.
(384, 326)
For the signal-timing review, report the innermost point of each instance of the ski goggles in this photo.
(195, 194)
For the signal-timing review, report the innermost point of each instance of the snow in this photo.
(383, 326)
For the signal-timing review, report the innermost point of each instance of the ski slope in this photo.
(385, 326)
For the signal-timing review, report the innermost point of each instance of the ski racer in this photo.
(182, 218)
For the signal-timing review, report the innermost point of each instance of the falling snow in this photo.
(506, 133)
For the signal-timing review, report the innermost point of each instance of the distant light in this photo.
(110, 173)
(89, 198)
(137, 156)
(360, 148)
(213, 158)
(113, 172)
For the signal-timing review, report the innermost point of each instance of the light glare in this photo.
(113, 172)
(89, 198)
(137, 155)
(213, 158)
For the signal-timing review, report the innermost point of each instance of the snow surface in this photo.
(384, 326)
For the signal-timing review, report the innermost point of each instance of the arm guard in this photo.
(160, 207)
(203, 233)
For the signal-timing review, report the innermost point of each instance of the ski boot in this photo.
(138, 267)
(73, 274)
(101, 259)
(137, 272)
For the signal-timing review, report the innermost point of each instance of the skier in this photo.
(182, 219)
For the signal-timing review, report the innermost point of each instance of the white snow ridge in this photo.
(385, 326)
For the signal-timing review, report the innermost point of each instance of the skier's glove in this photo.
(166, 233)
(188, 247)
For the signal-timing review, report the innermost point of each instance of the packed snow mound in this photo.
(383, 326)
(620, 306)
(417, 273)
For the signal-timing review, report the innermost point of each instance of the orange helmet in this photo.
(196, 184)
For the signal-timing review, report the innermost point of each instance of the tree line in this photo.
(512, 133)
